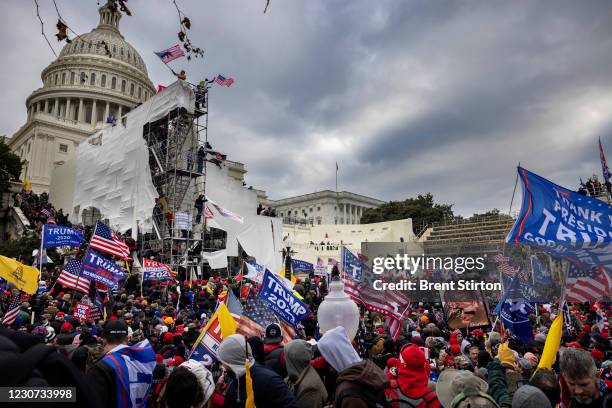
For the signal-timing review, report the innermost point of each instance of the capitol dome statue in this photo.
(97, 77)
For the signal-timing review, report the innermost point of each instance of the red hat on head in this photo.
(113, 317)
(195, 282)
(586, 328)
(455, 349)
(186, 283)
(61, 294)
(477, 332)
(597, 355)
(413, 371)
(159, 358)
(168, 337)
(204, 281)
(178, 360)
(60, 314)
(573, 344)
(66, 327)
(180, 328)
(380, 330)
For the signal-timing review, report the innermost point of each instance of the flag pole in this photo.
(336, 177)
(42, 239)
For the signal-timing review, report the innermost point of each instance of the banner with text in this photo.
(281, 299)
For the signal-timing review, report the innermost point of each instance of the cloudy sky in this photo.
(407, 96)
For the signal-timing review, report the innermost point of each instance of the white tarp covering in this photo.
(217, 259)
(112, 171)
(261, 237)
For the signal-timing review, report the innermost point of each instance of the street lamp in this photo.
(337, 309)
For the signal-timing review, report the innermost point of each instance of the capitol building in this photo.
(81, 90)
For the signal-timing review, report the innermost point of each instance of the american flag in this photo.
(221, 80)
(45, 212)
(208, 214)
(389, 303)
(106, 241)
(604, 165)
(256, 316)
(12, 312)
(395, 327)
(70, 277)
(170, 54)
(602, 319)
(505, 268)
(587, 285)
(332, 262)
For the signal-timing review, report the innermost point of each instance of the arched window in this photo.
(123, 84)
(92, 78)
(129, 55)
(132, 90)
(56, 76)
(64, 78)
(72, 78)
(122, 51)
(113, 83)
(82, 45)
(83, 78)
(139, 92)
(103, 81)
(114, 49)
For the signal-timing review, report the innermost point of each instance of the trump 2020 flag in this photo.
(155, 271)
(255, 272)
(57, 236)
(351, 265)
(301, 266)
(101, 269)
(133, 366)
(282, 300)
(563, 223)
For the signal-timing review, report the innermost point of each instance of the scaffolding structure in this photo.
(177, 146)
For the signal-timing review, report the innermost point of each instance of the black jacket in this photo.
(269, 388)
(101, 378)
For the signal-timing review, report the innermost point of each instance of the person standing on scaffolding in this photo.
(199, 205)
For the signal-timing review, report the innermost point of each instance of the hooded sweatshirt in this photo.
(337, 350)
(358, 382)
(269, 388)
(303, 379)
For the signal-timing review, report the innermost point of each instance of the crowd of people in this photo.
(594, 188)
(427, 365)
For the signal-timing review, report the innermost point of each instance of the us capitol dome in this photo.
(96, 77)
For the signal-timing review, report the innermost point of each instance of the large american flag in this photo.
(587, 285)
(106, 241)
(12, 312)
(70, 277)
(221, 80)
(170, 54)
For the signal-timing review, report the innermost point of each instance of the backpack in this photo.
(397, 399)
(372, 400)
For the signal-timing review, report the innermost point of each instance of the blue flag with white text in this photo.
(563, 223)
(54, 236)
(514, 311)
(301, 266)
(101, 269)
(282, 300)
(351, 265)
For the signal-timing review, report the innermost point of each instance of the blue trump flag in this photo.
(282, 300)
(301, 266)
(563, 223)
(101, 269)
(351, 265)
(54, 236)
(514, 311)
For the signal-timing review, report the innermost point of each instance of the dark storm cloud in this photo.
(407, 96)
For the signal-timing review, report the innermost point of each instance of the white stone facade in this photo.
(81, 89)
(322, 208)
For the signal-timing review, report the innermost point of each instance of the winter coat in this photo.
(363, 377)
(269, 388)
(498, 387)
(309, 389)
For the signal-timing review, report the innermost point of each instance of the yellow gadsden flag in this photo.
(553, 341)
(23, 276)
